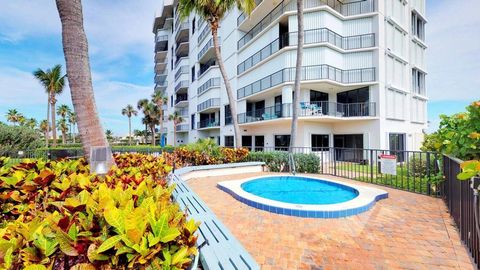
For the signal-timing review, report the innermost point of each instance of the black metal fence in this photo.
(459, 197)
(414, 171)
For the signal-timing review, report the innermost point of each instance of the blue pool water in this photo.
(299, 190)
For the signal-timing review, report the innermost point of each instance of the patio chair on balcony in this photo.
(316, 110)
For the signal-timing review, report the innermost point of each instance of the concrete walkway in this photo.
(405, 231)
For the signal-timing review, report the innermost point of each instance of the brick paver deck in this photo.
(405, 231)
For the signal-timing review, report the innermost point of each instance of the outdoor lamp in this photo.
(99, 159)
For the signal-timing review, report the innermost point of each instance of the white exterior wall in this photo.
(395, 53)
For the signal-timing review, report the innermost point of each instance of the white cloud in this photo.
(453, 36)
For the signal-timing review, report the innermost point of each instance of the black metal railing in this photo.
(320, 35)
(203, 34)
(318, 72)
(346, 9)
(182, 127)
(459, 198)
(243, 16)
(180, 59)
(206, 66)
(212, 82)
(267, 113)
(208, 123)
(161, 44)
(207, 46)
(207, 104)
(181, 70)
(180, 98)
(182, 85)
(325, 108)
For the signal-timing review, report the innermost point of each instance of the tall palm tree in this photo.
(109, 134)
(129, 111)
(63, 111)
(53, 81)
(152, 119)
(160, 100)
(213, 12)
(177, 119)
(75, 48)
(62, 126)
(142, 106)
(44, 128)
(13, 116)
(22, 120)
(298, 76)
(72, 120)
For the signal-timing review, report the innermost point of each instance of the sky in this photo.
(121, 56)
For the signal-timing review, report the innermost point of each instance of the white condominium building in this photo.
(363, 74)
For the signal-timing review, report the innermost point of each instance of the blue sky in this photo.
(121, 55)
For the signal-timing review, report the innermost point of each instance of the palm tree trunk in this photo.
(298, 77)
(231, 99)
(73, 133)
(129, 131)
(75, 48)
(174, 134)
(47, 131)
(64, 136)
(54, 123)
(153, 134)
(161, 125)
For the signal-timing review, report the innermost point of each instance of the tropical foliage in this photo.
(56, 215)
(16, 138)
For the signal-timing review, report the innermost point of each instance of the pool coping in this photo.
(367, 196)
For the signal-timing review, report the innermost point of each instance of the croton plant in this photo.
(56, 215)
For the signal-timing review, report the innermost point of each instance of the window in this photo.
(259, 143)
(228, 115)
(193, 26)
(247, 142)
(193, 73)
(397, 142)
(282, 142)
(319, 142)
(418, 82)
(418, 26)
(193, 121)
(348, 147)
(229, 141)
(354, 96)
(171, 101)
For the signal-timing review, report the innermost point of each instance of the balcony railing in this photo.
(319, 72)
(182, 26)
(206, 66)
(181, 98)
(205, 31)
(268, 113)
(208, 123)
(207, 46)
(182, 127)
(183, 113)
(212, 82)
(310, 36)
(346, 9)
(325, 108)
(209, 103)
(181, 59)
(243, 16)
(181, 85)
(181, 70)
(161, 44)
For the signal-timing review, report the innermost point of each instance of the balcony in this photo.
(243, 16)
(183, 113)
(182, 128)
(160, 63)
(211, 83)
(181, 70)
(203, 34)
(269, 113)
(182, 49)
(181, 61)
(182, 86)
(208, 124)
(182, 30)
(321, 35)
(161, 43)
(181, 100)
(160, 77)
(309, 73)
(345, 9)
(205, 67)
(162, 86)
(208, 51)
(210, 105)
(323, 111)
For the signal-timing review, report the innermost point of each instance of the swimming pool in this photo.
(303, 196)
(299, 190)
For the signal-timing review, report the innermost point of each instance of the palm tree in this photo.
(151, 119)
(177, 119)
(160, 100)
(75, 48)
(63, 111)
(22, 120)
(62, 126)
(72, 120)
(31, 123)
(13, 116)
(129, 111)
(213, 12)
(109, 134)
(53, 81)
(298, 77)
(44, 128)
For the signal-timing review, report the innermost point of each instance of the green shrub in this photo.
(277, 161)
(419, 166)
(14, 139)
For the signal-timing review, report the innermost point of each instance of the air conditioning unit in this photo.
(100, 159)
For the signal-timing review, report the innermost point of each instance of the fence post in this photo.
(428, 174)
(371, 165)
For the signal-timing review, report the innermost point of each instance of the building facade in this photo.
(363, 74)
